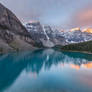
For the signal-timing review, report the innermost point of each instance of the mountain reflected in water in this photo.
(50, 68)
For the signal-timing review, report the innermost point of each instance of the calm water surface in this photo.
(46, 71)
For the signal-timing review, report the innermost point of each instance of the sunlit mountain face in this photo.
(75, 29)
(88, 30)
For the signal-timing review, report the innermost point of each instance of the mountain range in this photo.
(76, 35)
(14, 36)
(42, 34)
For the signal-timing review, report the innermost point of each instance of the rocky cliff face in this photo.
(9, 21)
(13, 35)
(44, 35)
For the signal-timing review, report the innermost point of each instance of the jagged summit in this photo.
(75, 29)
(88, 30)
(76, 35)
(44, 35)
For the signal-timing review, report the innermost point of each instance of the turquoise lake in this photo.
(46, 70)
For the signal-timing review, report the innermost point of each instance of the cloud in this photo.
(82, 18)
(62, 13)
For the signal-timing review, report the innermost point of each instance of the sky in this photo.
(60, 13)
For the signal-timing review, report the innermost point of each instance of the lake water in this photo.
(46, 71)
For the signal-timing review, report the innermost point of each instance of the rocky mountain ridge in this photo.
(44, 35)
(13, 35)
(49, 37)
(76, 36)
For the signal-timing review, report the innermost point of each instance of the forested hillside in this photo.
(84, 46)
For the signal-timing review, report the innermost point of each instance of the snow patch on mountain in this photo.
(44, 35)
(76, 36)
(50, 38)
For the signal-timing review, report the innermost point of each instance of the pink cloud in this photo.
(83, 17)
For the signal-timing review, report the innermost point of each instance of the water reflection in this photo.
(13, 64)
(50, 57)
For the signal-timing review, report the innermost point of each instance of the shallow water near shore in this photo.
(46, 70)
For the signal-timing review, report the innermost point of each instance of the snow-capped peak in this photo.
(88, 30)
(75, 29)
